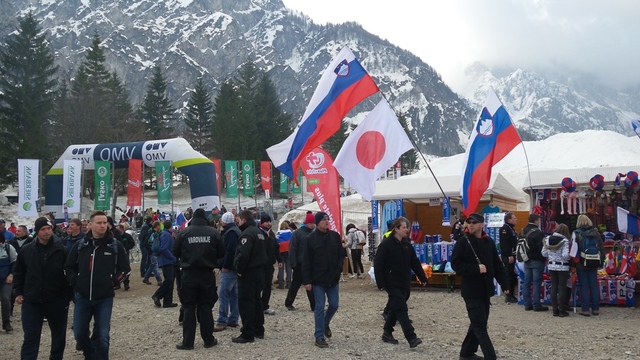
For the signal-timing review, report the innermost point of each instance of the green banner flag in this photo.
(163, 182)
(103, 185)
(284, 184)
(231, 175)
(297, 189)
(248, 178)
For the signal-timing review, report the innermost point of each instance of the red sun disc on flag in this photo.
(370, 149)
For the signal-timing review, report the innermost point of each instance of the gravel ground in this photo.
(139, 330)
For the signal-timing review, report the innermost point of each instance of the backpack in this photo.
(154, 241)
(523, 252)
(589, 252)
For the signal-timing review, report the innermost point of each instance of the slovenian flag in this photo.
(344, 84)
(181, 221)
(492, 138)
(628, 223)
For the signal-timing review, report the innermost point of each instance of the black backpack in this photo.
(589, 252)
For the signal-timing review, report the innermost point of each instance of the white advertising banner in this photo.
(72, 185)
(28, 187)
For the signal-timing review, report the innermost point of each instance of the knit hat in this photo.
(199, 213)
(319, 216)
(265, 218)
(40, 222)
(309, 219)
(228, 218)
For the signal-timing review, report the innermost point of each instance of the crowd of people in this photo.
(86, 262)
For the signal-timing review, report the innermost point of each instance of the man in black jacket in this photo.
(249, 261)
(273, 256)
(296, 256)
(198, 248)
(41, 288)
(508, 244)
(475, 258)
(143, 239)
(95, 266)
(321, 270)
(395, 258)
(533, 268)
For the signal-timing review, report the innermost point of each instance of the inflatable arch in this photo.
(199, 169)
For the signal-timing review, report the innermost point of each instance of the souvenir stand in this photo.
(597, 193)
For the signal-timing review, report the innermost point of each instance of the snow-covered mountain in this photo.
(213, 38)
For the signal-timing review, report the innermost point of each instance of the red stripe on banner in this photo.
(134, 183)
(322, 179)
(217, 163)
(265, 176)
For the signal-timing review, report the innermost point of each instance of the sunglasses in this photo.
(472, 222)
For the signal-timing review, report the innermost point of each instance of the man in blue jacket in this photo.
(228, 312)
(166, 261)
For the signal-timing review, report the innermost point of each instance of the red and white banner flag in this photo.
(322, 179)
(217, 163)
(134, 188)
(373, 147)
(265, 176)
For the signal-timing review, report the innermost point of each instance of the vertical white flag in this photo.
(28, 186)
(72, 185)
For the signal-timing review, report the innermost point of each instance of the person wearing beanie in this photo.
(321, 270)
(249, 261)
(296, 256)
(199, 248)
(475, 258)
(42, 290)
(95, 266)
(273, 256)
(228, 312)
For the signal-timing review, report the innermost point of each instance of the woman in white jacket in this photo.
(556, 249)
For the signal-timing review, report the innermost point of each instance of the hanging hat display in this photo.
(569, 185)
(597, 182)
(631, 179)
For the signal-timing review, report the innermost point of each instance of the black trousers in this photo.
(199, 293)
(356, 258)
(399, 312)
(250, 285)
(165, 291)
(266, 291)
(56, 312)
(296, 282)
(513, 277)
(478, 312)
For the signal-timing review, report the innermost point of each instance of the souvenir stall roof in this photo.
(421, 189)
(551, 178)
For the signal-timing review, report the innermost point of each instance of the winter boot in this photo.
(556, 312)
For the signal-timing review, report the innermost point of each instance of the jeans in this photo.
(478, 312)
(228, 312)
(56, 312)
(399, 312)
(558, 285)
(5, 300)
(144, 261)
(285, 269)
(533, 270)
(153, 269)
(321, 317)
(96, 347)
(198, 294)
(589, 291)
(165, 291)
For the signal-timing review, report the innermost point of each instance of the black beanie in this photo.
(265, 218)
(199, 214)
(40, 222)
(319, 216)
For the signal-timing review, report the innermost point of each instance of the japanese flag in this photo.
(373, 147)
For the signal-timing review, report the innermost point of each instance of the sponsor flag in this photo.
(297, 184)
(231, 175)
(134, 183)
(492, 138)
(217, 164)
(322, 178)
(163, 182)
(247, 178)
(373, 147)
(374, 216)
(628, 223)
(635, 124)
(102, 185)
(72, 185)
(344, 84)
(28, 187)
(265, 176)
(181, 221)
(284, 183)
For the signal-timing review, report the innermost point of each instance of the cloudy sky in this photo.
(597, 37)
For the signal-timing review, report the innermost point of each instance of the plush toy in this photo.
(631, 180)
(597, 182)
(569, 186)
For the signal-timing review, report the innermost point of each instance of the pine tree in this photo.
(199, 119)
(224, 132)
(333, 144)
(246, 119)
(156, 111)
(272, 124)
(408, 160)
(27, 91)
